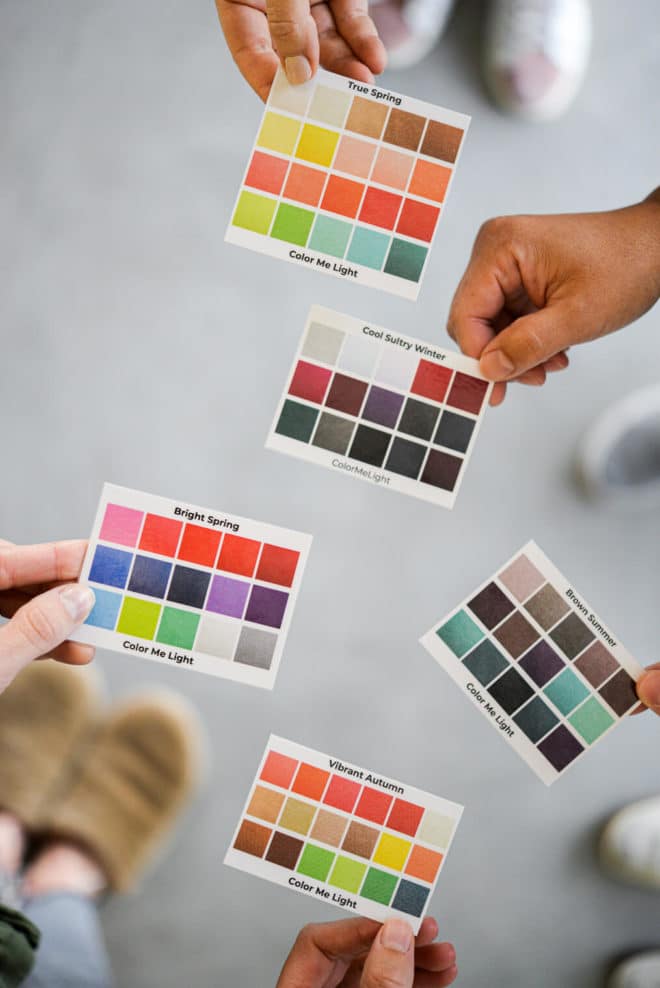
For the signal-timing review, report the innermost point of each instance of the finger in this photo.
(246, 30)
(73, 654)
(320, 945)
(40, 626)
(294, 37)
(391, 960)
(435, 957)
(557, 363)
(335, 54)
(497, 395)
(428, 931)
(24, 565)
(648, 689)
(535, 377)
(359, 31)
(529, 342)
(4, 544)
(426, 979)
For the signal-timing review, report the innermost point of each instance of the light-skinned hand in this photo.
(537, 285)
(44, 606)
(358, 953)
(301, 35)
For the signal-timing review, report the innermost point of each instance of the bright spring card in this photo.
(349, 179)
(529, 651)
(342, 834)
(189, 586)
(397, 412)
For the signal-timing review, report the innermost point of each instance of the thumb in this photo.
(529, 342)
(40, 626)
(648, 690)
(391, 960)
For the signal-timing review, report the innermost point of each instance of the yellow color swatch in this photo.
(392, 852)
(278, 133)
(297, 816)
(317, 145)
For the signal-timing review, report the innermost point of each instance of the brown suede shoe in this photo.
(44, 716)
(132, 780)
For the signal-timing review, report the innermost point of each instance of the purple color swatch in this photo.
(382, 407)
(267, 606)
(541, 663)
(227, 596)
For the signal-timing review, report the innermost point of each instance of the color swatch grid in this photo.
(385, 408)
(348, 179)
(186, 586)
(531, 653)
(342, 834)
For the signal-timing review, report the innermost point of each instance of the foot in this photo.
(132, 781)
(12, 844)
(630, 844)
(638, 971)
(64, 867)
(409, 29)
(537, 52)
(619, 457)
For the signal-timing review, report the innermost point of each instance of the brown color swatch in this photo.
(360, 840)
(265, 804)
(596, 664)
(516, 634)
(329, 828)
(620, 693)
(404, 129)
(366, 117)
(297, 816)
(252, 838)
(547, 606)
(284, 850)
(442, 141)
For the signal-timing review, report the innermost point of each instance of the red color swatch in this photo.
(278, 565)
(373, 805)
(278, 769)
(418, 220)
(266, 173)
(309, 382)
(160, 535)
(431, 380)
(199, 545)
(380, 208)
(239, 555)
(467, 393)
(310, 781)
(342, 793)
(405, 817)
(304, 184)
(342, 196)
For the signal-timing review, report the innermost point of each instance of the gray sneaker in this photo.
(618, 460)
(639, 971)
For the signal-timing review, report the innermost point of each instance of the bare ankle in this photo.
(64, 867)
(12, 843)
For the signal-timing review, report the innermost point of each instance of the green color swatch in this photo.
(485, 662)
(330, 236)
(292, 224)
(347, 874)
(460, 633)
(296, 421)
(315, 862)
(368, 247)
(379, 886)
(406, 260)
(566, 691)
(591, 720)
(138, 618)
(178, 627)
(254, 212)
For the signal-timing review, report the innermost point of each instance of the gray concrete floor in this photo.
(138, 348)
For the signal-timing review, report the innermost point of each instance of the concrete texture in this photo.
(139, 348)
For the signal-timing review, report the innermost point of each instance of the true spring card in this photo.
(343, 834)
(189, 586)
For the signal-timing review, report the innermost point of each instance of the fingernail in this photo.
(396, 935)
(298, 69)
(78, 601)
(648, 689)
(496, 365)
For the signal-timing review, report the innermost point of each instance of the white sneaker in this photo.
(638, 971)
(618, 460)
(537, 52)
(409, 29)
(630, 844)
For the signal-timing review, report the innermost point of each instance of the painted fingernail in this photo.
(298, 69)
(77, 601)
(648, 689)
(396, 935)
(496, 365)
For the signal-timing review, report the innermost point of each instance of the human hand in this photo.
(42, 603)
(358, 953)
(536, 285)
(648, 689)
(338, 34)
